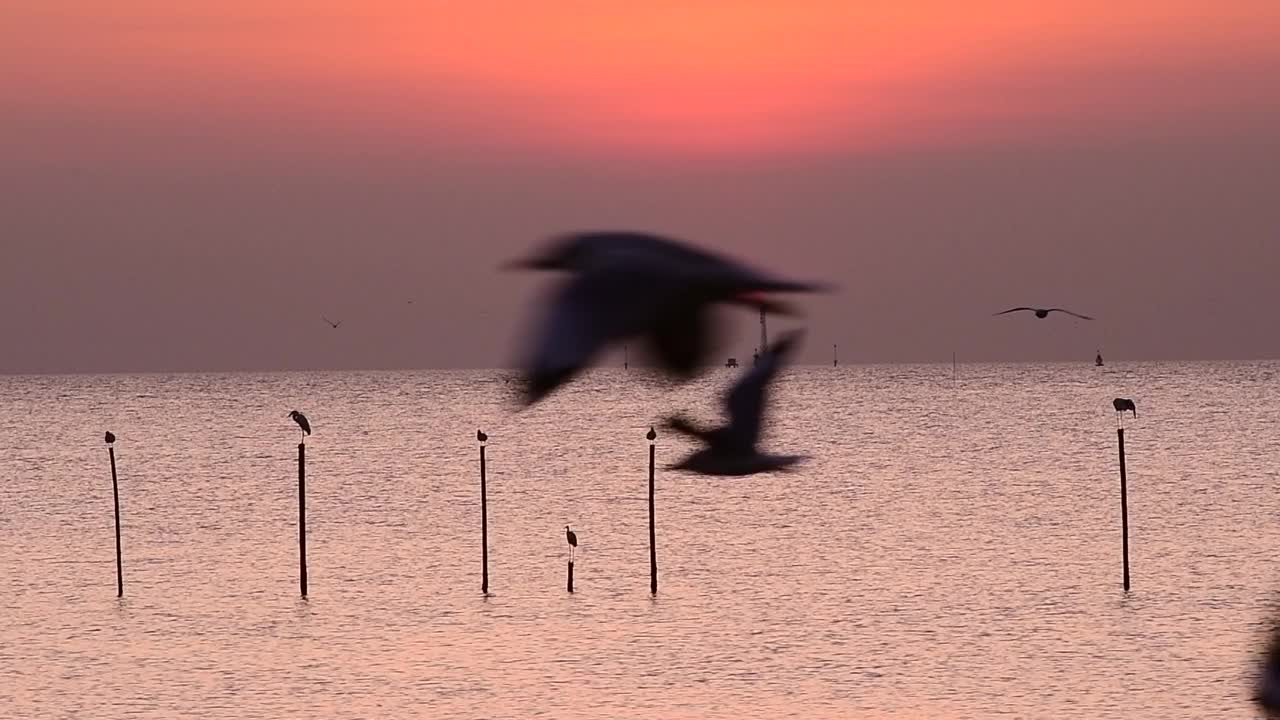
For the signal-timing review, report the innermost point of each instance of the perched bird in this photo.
(625, 285)
(111, 437)
(302, 421)
(572, 537)
(651, 435)
(481, 436)
(332, 324)
(1123, 404)
(731, 449)
(1043, 313)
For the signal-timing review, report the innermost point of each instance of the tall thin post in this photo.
(953, 366)
(484, 527)
(835, 356)
(302, 518)
(1124, 509)
(653, 541)
(569, 585)
(115, 497)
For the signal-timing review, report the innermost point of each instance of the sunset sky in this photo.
(189, 186)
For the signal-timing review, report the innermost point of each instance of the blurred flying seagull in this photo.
(731, 449)
(1267, 690)
(332, 324)
(1043, 313)
(626, 285)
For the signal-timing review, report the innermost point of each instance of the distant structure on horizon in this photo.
(731, 363)
(1097, 360)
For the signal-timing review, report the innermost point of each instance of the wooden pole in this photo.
(570, 583)
(653, 543)
(302, 518)
(115, 497)
(484, 528)
(1124, 509)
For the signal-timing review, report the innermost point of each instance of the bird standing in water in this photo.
(572, 537)
(302, 422)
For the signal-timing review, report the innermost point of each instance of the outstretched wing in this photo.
(581, 317)
(745, 402)
(1006, 312)
(1064, 310)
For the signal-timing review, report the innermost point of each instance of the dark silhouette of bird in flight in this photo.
(481, 436)
(572, 537)
(1267, 690)
(651, 435)
(111, 437)
(302, 422)
(731, 449)
(1043, 313)
(332, 324)
(625, 285)
(1123, 404)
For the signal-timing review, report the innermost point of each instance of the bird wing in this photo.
(1064, 310)
(684, 426)
(582, 316)
(1006, 312)
(745, 401)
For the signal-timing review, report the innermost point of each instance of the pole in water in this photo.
(835, 356)
(653, 543)
(953, 365)
(115, 497)
(1124, 509)
(570, 582)
(484, 519)
(302, 518)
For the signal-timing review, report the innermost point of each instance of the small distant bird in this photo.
(332, 324)
(1043, 313)
(1123, 404)
(627, 285)
(111, 437)
(302, 421)
(731, 450)
(481, 436)
(572, 537)
(651, 435)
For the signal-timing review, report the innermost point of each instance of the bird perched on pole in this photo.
(625, 285)
(572, 537)
(1123, 404)
(481, 436)
(302, 422)
(731, 449)
(111, 437)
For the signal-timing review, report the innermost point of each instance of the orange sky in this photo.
(674, 76)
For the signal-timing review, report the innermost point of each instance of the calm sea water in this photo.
(951, 550)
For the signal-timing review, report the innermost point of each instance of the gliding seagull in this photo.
(1043, 313)
(625, 285)
(332, 324)
(731, 450)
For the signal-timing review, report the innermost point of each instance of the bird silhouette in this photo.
(731, 449)
(481, 436)
(625, 285)
(572, 537)
(302, 422)
(332, 324)
(1123, 404)
(1043, 313)
(651, 435)
(111, 437)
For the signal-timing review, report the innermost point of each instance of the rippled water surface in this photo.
(950, 550)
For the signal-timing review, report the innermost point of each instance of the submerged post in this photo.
(115, 498)
(653, 543)
(570, 582)
(1124, 509)
(484, 519)
(302, 518)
